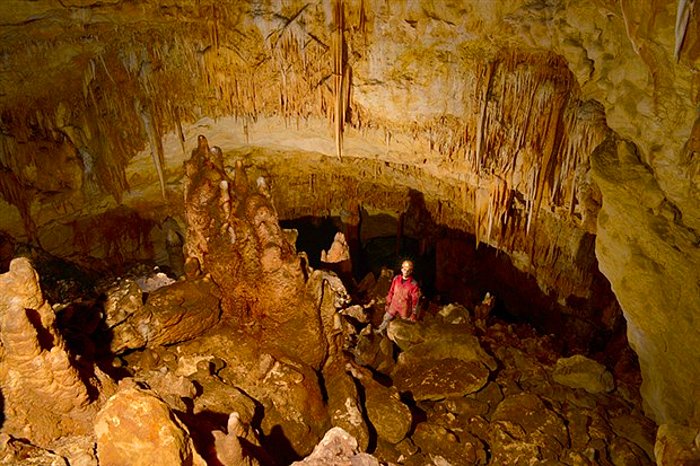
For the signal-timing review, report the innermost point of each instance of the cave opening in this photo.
(452, 268)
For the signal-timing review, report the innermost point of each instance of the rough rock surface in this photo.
(287, 390)
(437, 379)
(12, 449)
(180, 312)
(344, 403)
(390, 417)
(234, 234)
(230, 446)
(581, 372)
(433, 339)
(516, 121)
(677, 444)
(221, 398)
(137, 428)
(338, 448)
(44, 395)
(446, 447)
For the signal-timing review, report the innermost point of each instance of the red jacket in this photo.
(403, 297)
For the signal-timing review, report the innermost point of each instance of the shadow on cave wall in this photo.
(450, 267)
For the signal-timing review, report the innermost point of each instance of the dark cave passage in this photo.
(451, 269)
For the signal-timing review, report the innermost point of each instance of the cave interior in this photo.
(203, 205)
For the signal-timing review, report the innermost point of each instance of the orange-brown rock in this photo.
(564, 135)
(236, 237)
(447, 446)
(137, 428)
(344, 402)
(44, 395)
(288, 391)
(390, 417)
(178, 312)
(437, 379)
(338, 448)
(677, 444)
(230, 447)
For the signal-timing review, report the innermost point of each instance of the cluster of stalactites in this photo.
(128, 94)
(520, 146)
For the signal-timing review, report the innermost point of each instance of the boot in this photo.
(385, 322)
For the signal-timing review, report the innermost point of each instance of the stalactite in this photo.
(214, 27)
(683, 14)
(483, 102)
(339, 73)
(154, 141)
(180, 132)
(530, 200)
(12, 190)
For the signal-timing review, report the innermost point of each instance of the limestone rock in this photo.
(124, 298)
(236, 237)
(172, 389)
(637, 430)
(437, 379)
(44, 395)
(525, 426)
(137, 428)
(181, 311)
(455, 314)
(293, 404)
(171, 314)
(624, 451)
(357, 312)
(78, 450)
(338, 448)
(509, 104)
(152, 282)
(375, 351)
(344, 406)
(581, 372)
(328, 293)
(453, 448)
(389, 416)
(643, 247)
(231, 448)
(16, 452)
(219, 397)
(288, 391)
(467, 406)
(338, 252)
(677, 445)
(435, 340)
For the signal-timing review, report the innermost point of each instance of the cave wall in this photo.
(528, 124)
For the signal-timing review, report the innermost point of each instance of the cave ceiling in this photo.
(532, 125)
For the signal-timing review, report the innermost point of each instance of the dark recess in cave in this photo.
(452, 269)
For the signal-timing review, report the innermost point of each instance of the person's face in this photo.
(406, 269)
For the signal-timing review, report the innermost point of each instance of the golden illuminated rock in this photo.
(564, 135)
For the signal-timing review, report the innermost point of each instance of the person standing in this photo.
(402, 299)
